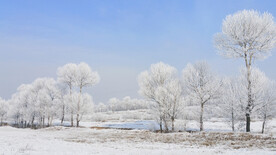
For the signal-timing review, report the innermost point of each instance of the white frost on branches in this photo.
(247, 32)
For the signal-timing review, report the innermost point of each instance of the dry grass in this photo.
(208, 139)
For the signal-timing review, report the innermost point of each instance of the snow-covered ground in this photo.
(62, 140)
(96, 138)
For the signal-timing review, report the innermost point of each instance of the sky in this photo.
(118, 38)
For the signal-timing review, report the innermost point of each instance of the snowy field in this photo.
(106, 138)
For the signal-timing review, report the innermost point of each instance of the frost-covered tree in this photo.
(67, 74)
(249, 35)
(201, 85)
(85, 78)
(160, 85)
(3, 110)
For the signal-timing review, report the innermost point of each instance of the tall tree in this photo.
(250, 35)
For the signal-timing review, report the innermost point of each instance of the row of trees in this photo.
(169, 97)
(199, 86)
(38, 103)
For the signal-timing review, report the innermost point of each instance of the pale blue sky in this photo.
(118, 38)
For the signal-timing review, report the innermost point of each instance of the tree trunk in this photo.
(32, 124)
(17, 121)
(263, 126)
(77, 119)
(247, 122)
(51, 121)
(201, 117)
(21, 123)
(48, 121)
(249, 92)
(78, 107)
(160, 123)
(63, 111)
(249, 104)
(172, 123)
(166, 126)
(72, 119)
(233, 121)
(43, 120)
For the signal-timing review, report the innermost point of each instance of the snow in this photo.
(84, 140)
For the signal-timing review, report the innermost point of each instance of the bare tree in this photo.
(250, 35)
(201, 85)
